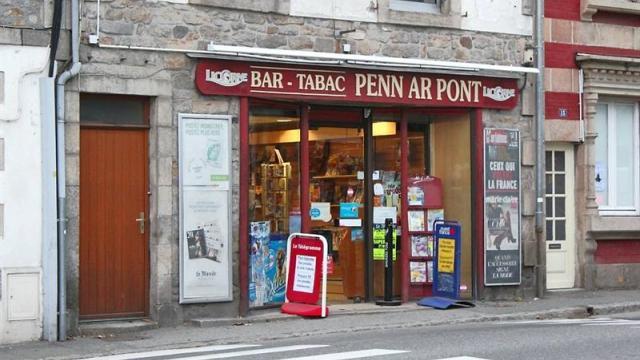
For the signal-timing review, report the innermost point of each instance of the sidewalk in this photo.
(271, 325)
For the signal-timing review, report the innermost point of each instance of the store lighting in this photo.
(284, 120)
(384, 128)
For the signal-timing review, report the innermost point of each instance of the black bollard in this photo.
(388, 266)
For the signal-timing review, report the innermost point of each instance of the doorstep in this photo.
(111, 327)
(274, 314)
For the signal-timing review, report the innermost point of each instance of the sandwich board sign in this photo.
(306, 276)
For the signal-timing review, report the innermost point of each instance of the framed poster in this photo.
(204, 150)
(502, 250)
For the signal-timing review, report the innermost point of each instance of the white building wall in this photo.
(498, 16)
(21, 193)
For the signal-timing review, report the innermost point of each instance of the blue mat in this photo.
(444, 303)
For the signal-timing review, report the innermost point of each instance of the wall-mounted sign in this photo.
(235, 78)
(205, 208)
(502, 256)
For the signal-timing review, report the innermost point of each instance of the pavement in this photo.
(266, 325)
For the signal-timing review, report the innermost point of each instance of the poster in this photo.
(205, 212)
(267, 270)
(205, 245)
(502, 207)
(379, 242)
(205, 151)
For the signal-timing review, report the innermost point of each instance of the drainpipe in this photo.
(72, 71)
(540, 239)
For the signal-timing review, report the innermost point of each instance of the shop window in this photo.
(274, 198)
(616, 167)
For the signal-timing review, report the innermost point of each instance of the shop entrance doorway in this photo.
(346, 166)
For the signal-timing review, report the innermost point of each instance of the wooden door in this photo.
(113, 226)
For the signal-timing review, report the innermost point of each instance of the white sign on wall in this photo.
(205, 211)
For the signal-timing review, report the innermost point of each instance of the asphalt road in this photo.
(615, 337)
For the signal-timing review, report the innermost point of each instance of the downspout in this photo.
(72, 71)
(540, 115)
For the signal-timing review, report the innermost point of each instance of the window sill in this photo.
(615, 227)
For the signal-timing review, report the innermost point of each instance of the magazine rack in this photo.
(424, 195)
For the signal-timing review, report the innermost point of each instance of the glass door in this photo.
(386, 194)
(336, 196)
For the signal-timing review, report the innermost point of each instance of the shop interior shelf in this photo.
(334, 177)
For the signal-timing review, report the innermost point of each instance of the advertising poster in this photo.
(267, 265)
(502, 207)
(205, 244)
(205, 211)
(205, 152)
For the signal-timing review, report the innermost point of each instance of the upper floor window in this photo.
(617, 179)
(432, 6)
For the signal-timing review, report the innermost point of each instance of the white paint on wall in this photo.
(357, 10)
(499, 16)
(21, 192)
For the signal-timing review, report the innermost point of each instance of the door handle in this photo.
(140, 222)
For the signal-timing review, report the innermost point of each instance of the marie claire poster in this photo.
(502, 207)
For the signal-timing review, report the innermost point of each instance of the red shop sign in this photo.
(307, 276)
(234, 78)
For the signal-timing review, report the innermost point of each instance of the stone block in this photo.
(564, 80)
(253, 18)
(32, 37)
(9, 36)
(162, 231)
(529, 96)
(561, 130)
(636, 38)
(401, 50)
(615, 36)
(325, 45)
(72, 172)
(528, 152)
(165, 171)
(165, 201)
(167, 145)
(609, 276)
(218, 106)
(163, 114)
(529, 253)
(271, 41)
(561, 31)
(301, 42)
(368, 47)
(584, 33)
(164, 256)
(117, 27)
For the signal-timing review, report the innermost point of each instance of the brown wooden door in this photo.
(113, 245)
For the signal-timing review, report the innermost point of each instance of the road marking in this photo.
(148, 354)
(350, 355)
(581, 322)
(463, 358)
(253, 352)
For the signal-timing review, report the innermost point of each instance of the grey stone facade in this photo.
(167, 77)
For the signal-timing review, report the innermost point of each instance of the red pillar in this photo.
(404, 174)
(244, 206)
(305, 206)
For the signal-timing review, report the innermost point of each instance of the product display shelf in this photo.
(425, 206)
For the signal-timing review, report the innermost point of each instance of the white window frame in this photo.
(611, 209)
(415, 6)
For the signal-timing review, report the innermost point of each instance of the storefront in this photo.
(337, 150)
